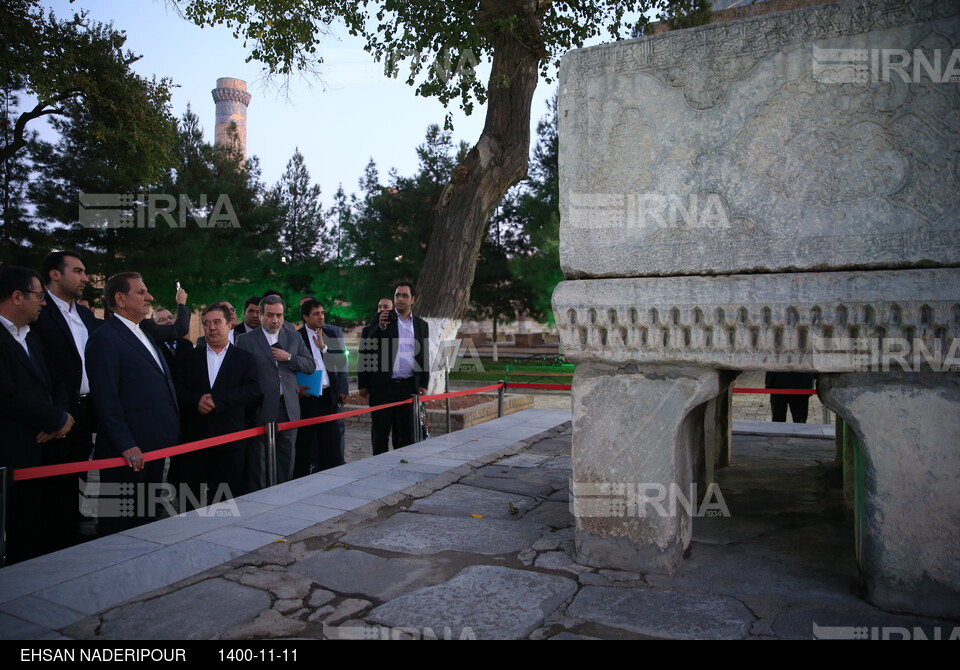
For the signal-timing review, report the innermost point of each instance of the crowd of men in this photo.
(74, 387)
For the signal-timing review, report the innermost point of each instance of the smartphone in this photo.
(178, 286)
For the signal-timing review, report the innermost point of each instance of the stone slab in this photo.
(198, 612)
(492, 603)
(664, 614)
(767, 144)
(421, 534)
(347, 571)
(462, 501)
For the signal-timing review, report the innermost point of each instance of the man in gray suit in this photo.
(279, 354)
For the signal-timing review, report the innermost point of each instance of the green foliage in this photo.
(387, 228)
(438, 44)
(76, 62)
(20, 233)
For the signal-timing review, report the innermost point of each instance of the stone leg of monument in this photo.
(909, 431)
(636, 431)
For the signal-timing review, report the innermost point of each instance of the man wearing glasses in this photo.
(394, 364)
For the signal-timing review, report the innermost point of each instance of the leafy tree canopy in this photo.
(77, 61)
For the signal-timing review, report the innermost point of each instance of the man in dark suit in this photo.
(64, 327)
(279, 354)
(135, 400)
(318, 446)
(172, 350)
(393, 365)
(216, 385)
(251, 317)
(32, 409)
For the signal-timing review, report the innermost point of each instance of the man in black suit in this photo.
(135, 400)
(175, 349)
(216, 385)
(393, 365)
(32, 409)
(64, 327)
(251, 317)
(318, 446)
(279, 354)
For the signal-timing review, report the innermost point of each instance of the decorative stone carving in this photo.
(741, 147)
(805, 321)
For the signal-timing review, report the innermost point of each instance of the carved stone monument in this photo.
(779, 193)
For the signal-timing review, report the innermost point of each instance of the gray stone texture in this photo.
(211, 607)
(631, 433)
(357, 572)
(664, 614)
(749, 146)
(492, 603)
(802, 321)
(421, 534)
(909, 534)
(463, 501)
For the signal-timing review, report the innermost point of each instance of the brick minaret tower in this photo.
(232, 99)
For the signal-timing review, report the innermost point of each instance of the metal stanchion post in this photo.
(500, 393)
(446, 389)
(4, 474)
(415, 409)
(271, 455)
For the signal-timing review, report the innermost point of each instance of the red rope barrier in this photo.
(524, 385)
(288, 425)
(119, 461)
(456, 394)
(778, 391)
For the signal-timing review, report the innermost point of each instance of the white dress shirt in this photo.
(80, 336)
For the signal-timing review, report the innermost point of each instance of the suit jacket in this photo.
(334, 360)
(378, 354)
(31, 401)
(169, 333)
(59, 346)
(272, 375)
(234, 390)
(135, 398)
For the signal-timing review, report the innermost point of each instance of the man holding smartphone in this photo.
(394, 364)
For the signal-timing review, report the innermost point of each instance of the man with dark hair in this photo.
(64, 327)
(172, 350)
(394, 365)
(135, 399)
(251, 316)
(216, 385)
(279, 354)
(318, 446)
(33, 405)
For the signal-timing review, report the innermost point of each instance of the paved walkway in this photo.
(467, 535)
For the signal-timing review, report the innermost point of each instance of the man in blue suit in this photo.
(136, 404)
(318, 446)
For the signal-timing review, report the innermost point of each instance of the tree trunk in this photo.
(498, 161)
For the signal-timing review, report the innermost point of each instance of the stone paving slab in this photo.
(420, 534)
(357, 572)
(215, 606)
(485, 602)
(463, 501)
(664, 614)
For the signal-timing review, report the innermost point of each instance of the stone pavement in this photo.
(467, 536)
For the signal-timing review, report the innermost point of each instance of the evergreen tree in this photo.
(22, 238)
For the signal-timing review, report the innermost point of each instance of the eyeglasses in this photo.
(42, 294)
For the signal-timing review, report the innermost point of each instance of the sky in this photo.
(338, 123)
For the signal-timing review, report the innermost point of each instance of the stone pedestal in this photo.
(909, 433)
(636, 431)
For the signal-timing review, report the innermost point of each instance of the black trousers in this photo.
(318, 446)
(798, 404)
(398, 420)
